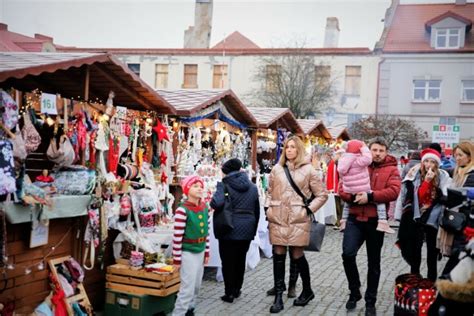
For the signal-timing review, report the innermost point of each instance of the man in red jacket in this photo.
(362, 223)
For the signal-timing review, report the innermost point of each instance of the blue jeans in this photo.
(355, 234)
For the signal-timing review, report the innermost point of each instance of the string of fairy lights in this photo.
(40, 265)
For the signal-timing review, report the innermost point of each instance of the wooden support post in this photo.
(254, 150)
(86, 83)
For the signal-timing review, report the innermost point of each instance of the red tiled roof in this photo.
(407, 32)
(283, 117)
(235, 40)
(15, 42)
(219, 52)
(448, 14)
(314, 127)
(189, 101)
(64, 73)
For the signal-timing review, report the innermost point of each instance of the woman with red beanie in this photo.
(419, 209)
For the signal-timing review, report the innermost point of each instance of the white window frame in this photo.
(447, 35)
(464, 100)
(426, 89)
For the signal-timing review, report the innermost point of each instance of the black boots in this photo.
(353, 298)
(279, 278)
(293, 278)
(292, 281)
(307, 294)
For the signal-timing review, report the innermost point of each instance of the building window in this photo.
(272, 76)
(426, 90)
(352, 84)
(468, 90)
(161, 76)
(448, 38)
(322, 75)
(219, 78)
(135, 68)
(190, 76)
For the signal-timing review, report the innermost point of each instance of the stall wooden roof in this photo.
(314, 127)
(339, 132)
(190, 101)
(66, 73)
(273, 117)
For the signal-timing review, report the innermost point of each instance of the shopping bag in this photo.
(316, 235)
(413, 295)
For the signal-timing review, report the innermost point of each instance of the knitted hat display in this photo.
(230, 165)
(429, 153)
(354, 146)
(189, 181)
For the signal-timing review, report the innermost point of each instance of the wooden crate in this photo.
(122, 278)
(81, 297)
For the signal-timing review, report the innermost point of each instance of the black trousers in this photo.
(428, 234)
(355, 234)
(233, 257)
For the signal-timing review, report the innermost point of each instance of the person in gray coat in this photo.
(234, 245)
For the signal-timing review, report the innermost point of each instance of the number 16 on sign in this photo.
(48, 103)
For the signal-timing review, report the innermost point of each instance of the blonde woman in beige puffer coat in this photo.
(289, 223)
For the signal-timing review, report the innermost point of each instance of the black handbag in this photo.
(452, 221)
(222, 220)
(317, 229)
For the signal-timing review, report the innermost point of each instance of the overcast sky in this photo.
(161, 23)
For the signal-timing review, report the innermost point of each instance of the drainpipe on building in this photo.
(378, 85)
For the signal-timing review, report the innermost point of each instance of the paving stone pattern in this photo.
(327, 279)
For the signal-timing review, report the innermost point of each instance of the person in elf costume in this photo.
(190, 244)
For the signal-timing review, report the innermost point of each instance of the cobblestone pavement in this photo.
(327, 279)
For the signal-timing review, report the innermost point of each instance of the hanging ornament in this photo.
(160, 130)
(164, 178)
(163, 158)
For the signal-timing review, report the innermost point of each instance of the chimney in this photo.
(331, 36)
(43, 37)
(199, 35)
(461, 2)
(3, 27)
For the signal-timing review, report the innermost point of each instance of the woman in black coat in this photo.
(452, 244)
(234, 245)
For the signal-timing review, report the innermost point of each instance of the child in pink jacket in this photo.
(354, 173)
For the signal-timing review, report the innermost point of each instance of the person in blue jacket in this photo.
(234, 245)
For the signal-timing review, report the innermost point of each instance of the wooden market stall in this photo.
(210, 127)
(274, 125)
(339, 133)
(83, 77)
(315, 128)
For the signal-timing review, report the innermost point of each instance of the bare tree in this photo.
(396, 131)
(293, 80)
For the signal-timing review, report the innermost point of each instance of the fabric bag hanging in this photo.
(30, 135)
(19, 150)
(317, 229)
(63, 155)
(222, 220)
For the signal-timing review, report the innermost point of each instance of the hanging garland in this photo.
(221, 116)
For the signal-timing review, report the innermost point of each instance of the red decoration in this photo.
(160, 130)
(163, 158)
(164, 178)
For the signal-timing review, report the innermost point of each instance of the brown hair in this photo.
(459, 175)
(301, 152)
(435, 181)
